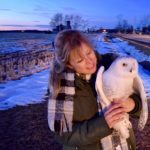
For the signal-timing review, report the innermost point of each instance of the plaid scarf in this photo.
(60, 110)
(60, 113)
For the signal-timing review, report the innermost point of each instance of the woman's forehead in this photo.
(80, 51)
(76, 53)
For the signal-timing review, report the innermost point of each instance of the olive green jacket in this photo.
(88, 126)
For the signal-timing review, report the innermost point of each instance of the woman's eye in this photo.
(89, 52)
(79, 61)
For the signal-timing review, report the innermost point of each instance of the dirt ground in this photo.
(26, 128)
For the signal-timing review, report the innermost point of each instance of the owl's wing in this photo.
(139, 88)
(99, 88)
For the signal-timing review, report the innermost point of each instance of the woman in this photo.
(73, 107)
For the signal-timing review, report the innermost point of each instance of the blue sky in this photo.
(36, 14)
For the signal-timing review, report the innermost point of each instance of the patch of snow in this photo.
(28, 90)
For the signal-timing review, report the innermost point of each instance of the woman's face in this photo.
(83, 61)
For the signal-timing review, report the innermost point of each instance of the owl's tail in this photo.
(144, 112)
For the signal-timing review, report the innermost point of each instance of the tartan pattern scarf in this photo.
(60, 110)
(60, 113)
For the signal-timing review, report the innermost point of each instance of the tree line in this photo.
(77, 22)
(142, 25)
(122, 24)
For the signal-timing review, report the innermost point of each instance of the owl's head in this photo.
(125, 66)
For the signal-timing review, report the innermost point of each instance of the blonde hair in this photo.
(65, 42)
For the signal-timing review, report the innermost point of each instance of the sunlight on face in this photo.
(83, 60)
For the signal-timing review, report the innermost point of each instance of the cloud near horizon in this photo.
(5, 9)
(24, 27)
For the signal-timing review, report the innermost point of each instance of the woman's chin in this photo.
(91, 71)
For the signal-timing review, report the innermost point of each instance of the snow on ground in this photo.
(120, 47)
(28, 90)
(32, 89)
(138, 37)
(16, 42)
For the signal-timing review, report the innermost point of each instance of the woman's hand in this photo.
(114, 113)
(128, 104)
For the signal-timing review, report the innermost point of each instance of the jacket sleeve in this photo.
(138, 106)
(86, 132)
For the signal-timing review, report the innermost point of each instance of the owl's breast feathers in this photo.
(117, 87)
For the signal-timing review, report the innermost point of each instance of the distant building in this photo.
(62, 27)
(68, 25)
(146, 30)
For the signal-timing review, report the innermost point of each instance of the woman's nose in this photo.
(89, 61)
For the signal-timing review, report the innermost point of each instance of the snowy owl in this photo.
(120, 81)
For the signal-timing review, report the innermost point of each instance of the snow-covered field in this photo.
(121, 47)
(138, 37)
(28, 90)
(15, 42)
(32, 89)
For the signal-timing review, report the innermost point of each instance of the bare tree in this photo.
(77, 22)
(119, 23)
(145, 21)
(123, 24)
(68, 17)
(57, 19)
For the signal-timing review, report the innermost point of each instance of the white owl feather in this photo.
(120, 81)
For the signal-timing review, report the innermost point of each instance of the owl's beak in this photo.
(131, 70)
